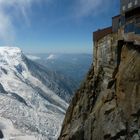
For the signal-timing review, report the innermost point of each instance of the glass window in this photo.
(129, 28)
(130, 5)
(136, 2)
(138, 20)
(137, 29)
(123, 8)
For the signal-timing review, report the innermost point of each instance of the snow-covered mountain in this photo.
(32, 101)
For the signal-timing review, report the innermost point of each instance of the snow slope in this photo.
(28, 107)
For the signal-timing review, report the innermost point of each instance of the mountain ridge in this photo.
(27, 103)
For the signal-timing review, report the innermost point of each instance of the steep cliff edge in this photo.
(107, 106)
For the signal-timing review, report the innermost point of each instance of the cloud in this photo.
(8, 10)
(32, 57)
(51, 57)
(85, 8)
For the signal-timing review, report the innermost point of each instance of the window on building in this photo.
(129, 28)
(123, 8)
(136, 2)
(129, 4)
(137, 29)
(138, 20)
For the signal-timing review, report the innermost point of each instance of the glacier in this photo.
(29, 107)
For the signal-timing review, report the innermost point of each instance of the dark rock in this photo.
(1, 135)
(2, 90)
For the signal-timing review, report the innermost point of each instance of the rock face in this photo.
(107, 106)
(1, 134)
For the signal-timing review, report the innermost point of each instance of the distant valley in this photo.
(72, 68)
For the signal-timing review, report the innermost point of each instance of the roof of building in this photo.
(97, 35)
(117, 16)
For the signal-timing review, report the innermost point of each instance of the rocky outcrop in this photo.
(2, 90)
(1, 134)
(107, 105)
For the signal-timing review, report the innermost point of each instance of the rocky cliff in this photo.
(107, 105)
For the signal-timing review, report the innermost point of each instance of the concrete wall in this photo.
(105, 52)
(115, 24)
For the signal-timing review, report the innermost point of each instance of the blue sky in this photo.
(63, 26)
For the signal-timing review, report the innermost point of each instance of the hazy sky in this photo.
(41, 26)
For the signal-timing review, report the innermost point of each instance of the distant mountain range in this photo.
(72, 68)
